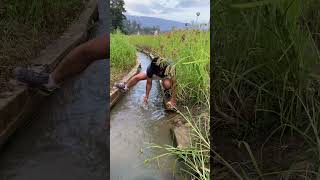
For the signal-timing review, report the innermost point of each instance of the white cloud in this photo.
(180, 10)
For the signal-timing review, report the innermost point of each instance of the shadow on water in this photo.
(66, 138)
(134, 124)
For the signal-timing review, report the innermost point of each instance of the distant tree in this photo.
(117, 9)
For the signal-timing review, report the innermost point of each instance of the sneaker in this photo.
(139, 68)
(33, 79)
(122, 86)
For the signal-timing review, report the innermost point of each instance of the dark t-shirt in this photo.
(157, 69)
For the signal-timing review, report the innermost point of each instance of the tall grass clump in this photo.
(190, 52)
(122, 55)
(266, 82)
(265, 55)
(195, 157)
(42, 14)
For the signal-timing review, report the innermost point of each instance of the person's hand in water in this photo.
(173, 102)
(145, 99)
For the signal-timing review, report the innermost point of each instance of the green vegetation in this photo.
(195, 157)
(265, 87)
(28, 26)
(117, 17)
(123, 56)
(190, 52)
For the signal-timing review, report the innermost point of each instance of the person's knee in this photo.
(85, 50)
(139, 77)
(93, 49)
(166, 84)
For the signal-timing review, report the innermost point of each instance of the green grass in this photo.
(123, 56)
(264, 55)
(195, 157)
(190, 52)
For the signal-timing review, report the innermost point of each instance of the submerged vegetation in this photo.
(266, 87)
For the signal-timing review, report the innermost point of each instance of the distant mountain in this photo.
(164, 24)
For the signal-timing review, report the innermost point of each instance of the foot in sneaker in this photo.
(122, 86)
(34, 79)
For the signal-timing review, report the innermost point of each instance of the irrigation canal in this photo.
(133, 126)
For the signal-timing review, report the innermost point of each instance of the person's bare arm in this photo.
(148, 88)
(174, 91)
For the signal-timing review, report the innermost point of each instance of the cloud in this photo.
(192, 3)
(183, 10)
(149, 8)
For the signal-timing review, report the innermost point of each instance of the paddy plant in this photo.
(266, 81)
(122, 56)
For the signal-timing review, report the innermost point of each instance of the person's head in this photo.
(166, 83)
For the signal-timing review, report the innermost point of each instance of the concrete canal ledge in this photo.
(115, 93)
(17, 105)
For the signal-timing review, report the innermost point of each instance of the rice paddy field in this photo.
(190, 52)
(123, 56)
(266, 89)
(29, 26)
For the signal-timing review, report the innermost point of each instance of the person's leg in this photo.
(75, 62)
(135, 79)
(132, 81)
(81, 57)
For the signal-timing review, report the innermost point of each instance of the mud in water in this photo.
(133, 125)
(66, 138)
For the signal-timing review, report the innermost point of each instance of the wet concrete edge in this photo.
(181, 131)
(18, 104)
(115, 93)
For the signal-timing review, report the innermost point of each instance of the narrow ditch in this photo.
(133, 126)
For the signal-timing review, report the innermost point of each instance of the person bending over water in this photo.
(158, 69)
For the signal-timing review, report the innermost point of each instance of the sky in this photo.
(179, 10)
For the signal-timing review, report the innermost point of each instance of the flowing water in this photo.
(66, 138)
(133, 125)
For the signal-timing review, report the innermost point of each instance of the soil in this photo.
(277, 154)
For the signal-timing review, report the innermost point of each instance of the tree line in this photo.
(120, 22)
